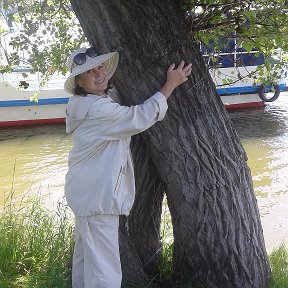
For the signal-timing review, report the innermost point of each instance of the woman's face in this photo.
(94, 81)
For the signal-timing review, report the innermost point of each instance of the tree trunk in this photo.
(218, 239)
(140, 243)
(145, 216)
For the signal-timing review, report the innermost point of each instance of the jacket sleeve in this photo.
(114, 121)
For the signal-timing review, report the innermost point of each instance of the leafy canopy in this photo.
(45, 32)
(39, 34)
(258, 24)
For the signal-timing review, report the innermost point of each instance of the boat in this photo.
(30, 102)
(18, 108)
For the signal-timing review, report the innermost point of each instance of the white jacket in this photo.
(100, 178)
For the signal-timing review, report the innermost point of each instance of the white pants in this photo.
(96, 258)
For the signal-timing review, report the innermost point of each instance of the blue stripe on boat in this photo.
(15, 103)
(245, 89)
(54, 101)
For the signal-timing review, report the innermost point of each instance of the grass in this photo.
(279, 265)
(36, 247)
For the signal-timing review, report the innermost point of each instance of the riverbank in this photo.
(36, 247)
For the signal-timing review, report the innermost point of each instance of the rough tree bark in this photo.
(140, 242)
(218, 239)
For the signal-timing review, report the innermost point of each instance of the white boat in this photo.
(16, 107)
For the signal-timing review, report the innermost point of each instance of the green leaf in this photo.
(279, 41)
(34, 97)
(248, 46)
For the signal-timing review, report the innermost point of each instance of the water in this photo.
(34, 160)
(264, 135)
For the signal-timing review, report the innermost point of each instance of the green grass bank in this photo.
(36, 246)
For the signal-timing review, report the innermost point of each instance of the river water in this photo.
(34, 161)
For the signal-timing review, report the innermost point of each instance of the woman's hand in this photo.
(175, 77)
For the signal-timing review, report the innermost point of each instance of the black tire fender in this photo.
(261, 93)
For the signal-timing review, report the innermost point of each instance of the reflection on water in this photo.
(35, 159)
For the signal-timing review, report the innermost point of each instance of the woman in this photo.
(99, 184)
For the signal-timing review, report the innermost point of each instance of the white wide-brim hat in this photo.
(110, 61)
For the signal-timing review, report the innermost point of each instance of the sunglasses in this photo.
(80, 58)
